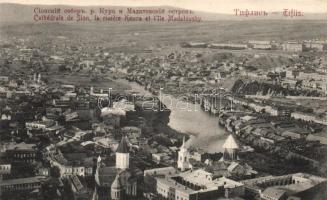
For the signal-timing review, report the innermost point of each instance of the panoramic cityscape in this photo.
(210, 110)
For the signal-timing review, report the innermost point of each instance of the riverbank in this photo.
(189, 118)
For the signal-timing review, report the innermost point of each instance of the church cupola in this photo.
(231, 149)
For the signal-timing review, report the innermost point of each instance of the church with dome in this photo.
(118, 182)
(231, 149)
(229, 165)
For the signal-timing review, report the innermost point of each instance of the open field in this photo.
(141, 35)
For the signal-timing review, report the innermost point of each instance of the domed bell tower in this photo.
(122, 154)
(183, 157)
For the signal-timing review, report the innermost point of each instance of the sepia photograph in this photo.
(163, 100)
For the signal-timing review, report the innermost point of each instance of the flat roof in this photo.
(21, 180)
(21, 146)
(174, 184)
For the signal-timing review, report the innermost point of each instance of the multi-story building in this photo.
(71, 163)
(292, 183)
(293, 47)
(313, 45)
(197, 185)
(22, 152)
(68, 169)
(20, 184)
(43, 125)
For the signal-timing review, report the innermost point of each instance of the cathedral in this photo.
(117, 182)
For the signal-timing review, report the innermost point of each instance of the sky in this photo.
(216, 6)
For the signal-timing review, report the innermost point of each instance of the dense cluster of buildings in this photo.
(201, 183)
(69, 139)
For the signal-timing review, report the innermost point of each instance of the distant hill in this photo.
(24, 13)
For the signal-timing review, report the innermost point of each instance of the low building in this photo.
(321, 139)
(157, 157)
(5, 168)
(106, 143)
(21, 184)
(303, 116)
(39, 125)
(228, 46)
(273, 194)
(262, 46)
(164, 171)
(193, 45)
(80, 191)
(292, 134)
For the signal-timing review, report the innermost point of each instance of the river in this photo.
(189, 118)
